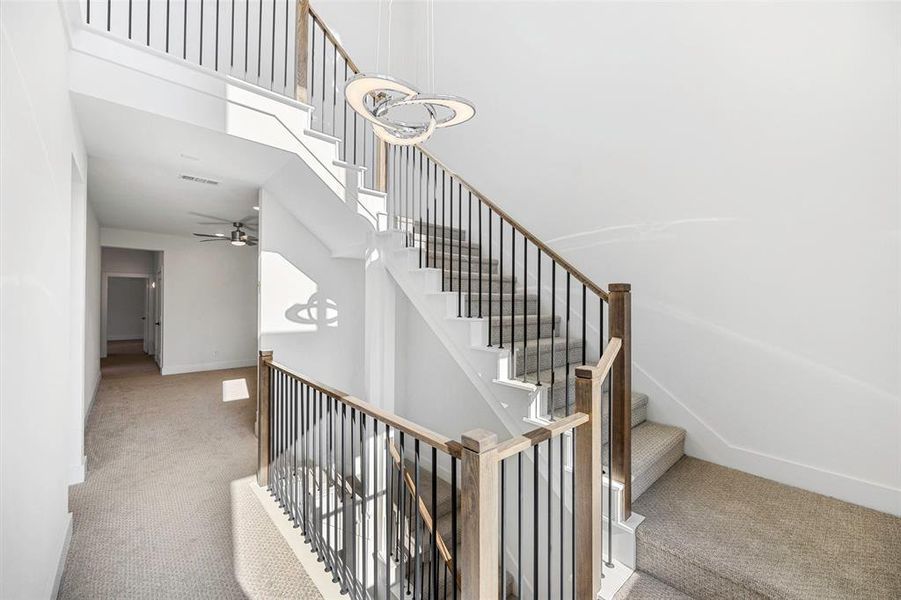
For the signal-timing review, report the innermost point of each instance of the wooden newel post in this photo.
(301, 43)
(620, 300)
(263, 417)
(381, 165)
(588, 507)
(479, 489)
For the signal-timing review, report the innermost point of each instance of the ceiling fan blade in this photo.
(250, 227)
(213, 223)
(251, 243)
(250, 219)
(216, 240)
(210, 235)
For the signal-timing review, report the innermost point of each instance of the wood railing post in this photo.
(381, 165)
(588, 505)
(620, 300)
(263, 417)
(479, 510)
(301, 43)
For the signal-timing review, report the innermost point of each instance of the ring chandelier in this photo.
(373, 97)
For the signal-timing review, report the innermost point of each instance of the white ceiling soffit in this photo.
(137, 161)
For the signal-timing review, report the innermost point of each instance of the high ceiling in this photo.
(136, 160)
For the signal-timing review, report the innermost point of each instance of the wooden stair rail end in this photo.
(589, 507)
(263, 417)
(620, 326)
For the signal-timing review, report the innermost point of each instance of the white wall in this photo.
(311, 304)
(125, 307)
(209, 300)
(738, 164)
(432, 390)
(38, 143)
(127, 260)
(92, 311)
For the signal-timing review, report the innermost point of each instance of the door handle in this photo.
(157, 323)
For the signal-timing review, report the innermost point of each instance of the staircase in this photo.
(517, 315)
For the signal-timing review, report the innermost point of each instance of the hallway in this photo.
(166, 510)
(125, 358)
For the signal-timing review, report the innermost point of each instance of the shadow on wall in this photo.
(318, 310)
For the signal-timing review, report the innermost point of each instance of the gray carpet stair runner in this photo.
(514, 315)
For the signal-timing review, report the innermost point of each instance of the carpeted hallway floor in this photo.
(126, 358)
(166, 511)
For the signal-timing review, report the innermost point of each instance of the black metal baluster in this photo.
(402, 527)
(289, 467)
(334, 86)
(329, 480)
(535, 506)
(304, 521)
(512, 302)
(566, 349)
(550, 513)
(184, 38)
(200, 50)
(109, 6)
(375, 496)
(459, 248)
(551, 407)
(480, 264)
(500, 278)
(295, 404)
(344, 121)
(454, 523)
(271, 49)
(246, 32)
(317, 473)
(434, 566)
(572, 538)
(584, 325)
(345, 577)
(519, 526)
(167, 25)
(129, 17)
(89, 12)
(353, 504)
(260, 40)
(435, 217)
(469, 273)
(363, 492)
(216, 38)
(270, 479)
(323, 479)
(562, 508)
(443, 232)
(148, 21)
(335, 483)
(389, 510)
(414, 508)
(538, 326)
(324, 61)
(525, 298)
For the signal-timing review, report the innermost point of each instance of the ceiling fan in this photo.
(237, 237)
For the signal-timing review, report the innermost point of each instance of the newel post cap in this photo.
(620, 287)
(479, 440)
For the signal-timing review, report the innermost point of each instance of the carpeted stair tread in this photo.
(641, 586)
(424, 228)
(655, 448)
(716, 532)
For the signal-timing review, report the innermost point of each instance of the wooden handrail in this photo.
(433, 439)
(331, 37)
(518, 444)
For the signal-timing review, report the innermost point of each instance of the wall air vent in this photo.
(196, 179)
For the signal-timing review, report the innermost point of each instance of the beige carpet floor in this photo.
(641, 586)
(715, 532)
(126, 358)
(165, 511)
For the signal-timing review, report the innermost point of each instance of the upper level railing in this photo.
(393, 508)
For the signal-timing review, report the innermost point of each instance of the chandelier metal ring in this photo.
(373, 97)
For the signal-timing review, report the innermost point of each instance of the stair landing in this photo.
(714, 532)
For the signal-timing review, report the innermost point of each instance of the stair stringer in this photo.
(480, 365)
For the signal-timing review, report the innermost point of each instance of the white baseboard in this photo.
(77, 472)
(703, 442)
(61, 565)
(210, 366)
(90, 406)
